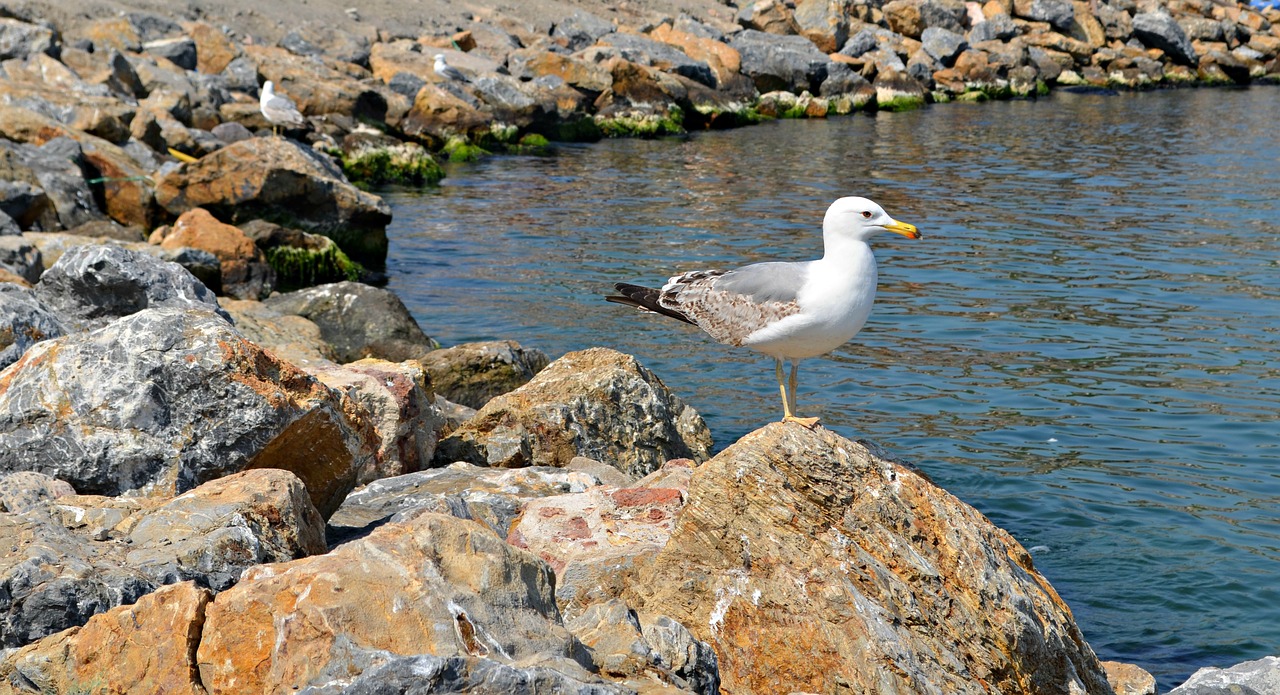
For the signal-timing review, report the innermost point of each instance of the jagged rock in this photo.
(663, 56)
(807, 561)
(26, 489)
(582, 74)
(317, 38)
(214, 49)
(425, 674)
(19, 39)
(597, 403)
(180, 51)
(581, 29)
(725, 62)
(53, 245)
(91, 285)
(824, 22)
(8, 227)
(473, 373)
(1116, 22)
(911, 17)
(186, 400)
(279, 180)
(288, 336)
(358, 320)
(24, 321)
(57, 170)
(943, 45)
(998, 28)
(619, 645)
(1127, 679)
(145, 647)
(244, 274)
(21, 257)
(431, 585)
(319, 85)
(1058, 13)
(773, 62)
(1259, 676)
(438, 114)
(769, 16)
(1159, 30)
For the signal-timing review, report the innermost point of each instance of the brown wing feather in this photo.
(729, 317)
(645, 299)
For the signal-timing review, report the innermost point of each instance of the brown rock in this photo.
(824, 22)
(432, 585)
(810, 564)
(585, 75)
(320, 85)
(1086, 26)
(118, 33)
(903, 17)
(473, 373)
(245, 272)
(769, 16)
(290, 337)
(1128, 679)
(438, 115)
(101, 116)
(722, 58)
(148, 647)
(214, 49)
(597, 403)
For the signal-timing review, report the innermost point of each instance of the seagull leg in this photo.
(790, 407)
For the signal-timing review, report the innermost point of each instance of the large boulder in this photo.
(597, 403)
(358, 320)
(1160, 30)
(90, 285)
(292, 338)
(282, 181)
(811, 564)
(19, 39)
(790, 63)
(57, 169)
(244, 274)
(24, 321)
(580, 29)
(1058, 13)
(664, 56)
(824, 22)
(186, 399)
(1258, 676)
(473, 373)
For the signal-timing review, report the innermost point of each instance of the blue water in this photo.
(1085, 346)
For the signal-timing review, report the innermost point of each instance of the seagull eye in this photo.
(866, 214)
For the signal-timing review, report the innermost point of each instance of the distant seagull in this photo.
(447, 71)
(278, 110)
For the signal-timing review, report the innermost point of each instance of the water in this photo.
(1085, 346)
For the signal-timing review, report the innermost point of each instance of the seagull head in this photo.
(268, 87)
(439, 57)
(862, 219)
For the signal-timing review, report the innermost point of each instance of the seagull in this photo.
(447, 71)
(278, 110)
(788, 311)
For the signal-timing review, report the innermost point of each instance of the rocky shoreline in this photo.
(228, 466)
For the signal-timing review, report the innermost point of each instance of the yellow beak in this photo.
(907, 230)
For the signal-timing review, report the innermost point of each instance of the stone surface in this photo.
(1248, 678)
(358, 320)
(943, 45)
(431, 585)
(824, 22)
(26, 489)
(21, 257)
(1159, 30)
(597, 403)
(279, 180)
(619, 645)
(473, 373)
(1128, 679)
(24, 321)
(807, 561)
(245, 273)
(145, 647)
(292, 338)
(425, 674)
(1058, 13)
(773, 62)
(186, 400)
(580, 29)
(665, 57)
(91, 285)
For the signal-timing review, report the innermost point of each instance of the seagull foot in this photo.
(806, 422)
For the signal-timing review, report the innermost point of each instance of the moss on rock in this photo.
(463, 150)
(407, 163)
(643, 126)
(297, 267)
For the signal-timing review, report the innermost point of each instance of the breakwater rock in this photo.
(185, 510)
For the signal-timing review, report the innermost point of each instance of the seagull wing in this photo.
(730, 306)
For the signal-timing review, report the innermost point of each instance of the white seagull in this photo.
(447, 71)
(784, 310)
(277, 109)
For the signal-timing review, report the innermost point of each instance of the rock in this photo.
(580, 29)
(300, 259)
(186, 400)
(898, 91)
(358, 320)
(824, 22)
(1058, 13)
(439, 115)
(769, 16)
(26, 489)
(596, 403)
(19, 39)
(665, 57)
(724, 61)
(581, 74)
(291, 338)
(1259, 676)
(464, 675)
(53, 245)
(21, 257)
(430, 585)
(279, 180)
(108, 229)
(493, 497)
(1116, 22)
(24, 321)
(216, 531)
(89, 286)
(619, 646)
(943, 45)
(807, 561)
(180, 51)
(1127, 679)
(998, 28)
(911, 17)
(214, 49)
(1159, 30)
(320, 85)
(842, 80)
(59, 196)
(790, 63)
(145, 647)
(8, 227)
(400, 403)
(245, 273)
(231, 132)
(473, 373)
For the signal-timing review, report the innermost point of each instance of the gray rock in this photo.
(27, 489)
(581, 29)
(295, 44)
(689, 25)
(841, 79)
(231, 132)
(773, 62)
(921, 66)
(944, 45)
(505, 96)
(861, 42)
(89, 286)
(662, 56)
(358, 320)
(1201, 28)
(685, 655)
(620, 645)
(122, 78)
(57, 168)
(241, 74)
(1116, 21)
(473, 373)
(1260, 677)
(406, 83)
(21, 257)
(1058, 13)
(180, 51)
(947, 15)
(152, 27)
(1159, 30)
(166, 399)
(426, 674)
(26, 204)
(20, 39)
(998, 28)
(24, 321)
(8, 227)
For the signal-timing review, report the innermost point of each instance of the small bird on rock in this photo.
(277, 109)
(447, 71)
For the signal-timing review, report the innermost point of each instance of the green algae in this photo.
(406, 163)
(301, 267)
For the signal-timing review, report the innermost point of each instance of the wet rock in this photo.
(245, 273)
(186, 400)
(279, 180)
(91, 285)
(144, 647)
(898, 91)
(596, 403)
(473, 373)
(1127, 679)
(358, 320)
(19, 39)
(1260, 676)
(581, 29)
(431, 585)
(300, 259)
(803, 549)
(1159, 30)
(24, 321)
(790, 63)
(769, 16)
(213, 533)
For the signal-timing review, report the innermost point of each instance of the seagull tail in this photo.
(644, 299)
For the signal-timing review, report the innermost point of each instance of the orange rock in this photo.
(724, 60)
(198, 229)
(214, 49)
